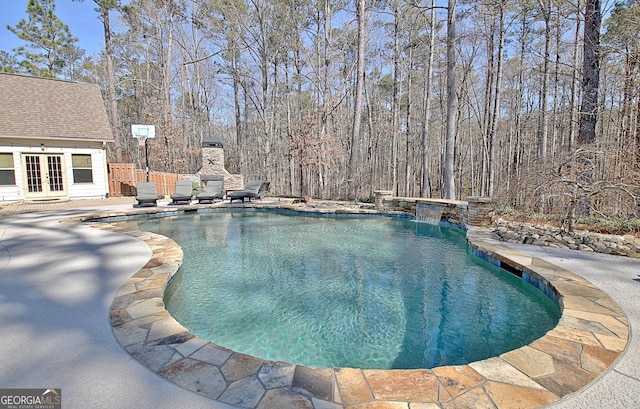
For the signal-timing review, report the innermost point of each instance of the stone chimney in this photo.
(213, 165)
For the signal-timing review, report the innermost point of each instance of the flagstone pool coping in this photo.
(591, 335)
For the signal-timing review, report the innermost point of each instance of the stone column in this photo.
(479, 211)
(381, 195)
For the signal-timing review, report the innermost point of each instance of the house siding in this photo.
(96, 189)
(13, 192)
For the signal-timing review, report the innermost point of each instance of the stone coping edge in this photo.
(591, 335)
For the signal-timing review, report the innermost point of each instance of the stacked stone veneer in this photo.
(455, 212)
(213, 165)
(478, 211)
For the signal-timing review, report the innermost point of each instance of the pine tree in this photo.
(50, 43)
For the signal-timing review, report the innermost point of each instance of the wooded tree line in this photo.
(532, 102)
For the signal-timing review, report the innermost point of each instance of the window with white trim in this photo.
(7, 171)
(82, 168)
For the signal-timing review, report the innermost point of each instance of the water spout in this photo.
(429, 212)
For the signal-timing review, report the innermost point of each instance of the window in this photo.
(82, 169)
(7, 173)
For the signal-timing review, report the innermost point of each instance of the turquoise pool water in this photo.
(381, 293)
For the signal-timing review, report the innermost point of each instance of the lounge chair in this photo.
(147, 195)
(251, 190)
(184, 192)
(264, 189)
(212, 191)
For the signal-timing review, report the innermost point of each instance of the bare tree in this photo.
(104, 8)
(545, 10)
(590, 72)
(426, 102)
(359, 88)
(450, 137)
(574, 78)
(499, 12)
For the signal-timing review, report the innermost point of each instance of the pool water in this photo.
(371, 293)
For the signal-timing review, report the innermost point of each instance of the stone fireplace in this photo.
(213, 165)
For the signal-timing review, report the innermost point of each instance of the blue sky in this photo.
(80, 17)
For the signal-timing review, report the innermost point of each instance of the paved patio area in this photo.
(619, 277)
(57, 283)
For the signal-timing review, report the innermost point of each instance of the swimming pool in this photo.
(346, 292)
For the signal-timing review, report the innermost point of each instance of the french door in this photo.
(44, 176)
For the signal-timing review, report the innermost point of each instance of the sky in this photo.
(81, 18)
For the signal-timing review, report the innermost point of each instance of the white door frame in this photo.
(44, 176)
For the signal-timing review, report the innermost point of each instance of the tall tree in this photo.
(104, 8)
(426, 103)
(574, 77)
(499, 11)
(50, 43)
(357, 104)
(452, 104)
(395, 102)
(545, 11)
(622, 39)
(149, 51)
(225, 27)
(590, 72)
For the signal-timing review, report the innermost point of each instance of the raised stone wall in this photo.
(381, 196)
(478, 211)
(455, 211)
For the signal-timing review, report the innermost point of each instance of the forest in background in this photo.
(531, 102)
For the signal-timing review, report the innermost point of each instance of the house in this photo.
(53, 137)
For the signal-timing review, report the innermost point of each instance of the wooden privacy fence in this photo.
(124, 177)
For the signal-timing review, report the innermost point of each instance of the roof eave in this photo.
(59, 138)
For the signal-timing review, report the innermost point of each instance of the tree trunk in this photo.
(408, 181)
(111, 81)
(487, 112)
(357, 105)
(167, 136)
(544, 91)
(574, 79)
(449, 157)
(235, 75)
(425, 191)
(395, 106)
(496, 103)
(591, 73)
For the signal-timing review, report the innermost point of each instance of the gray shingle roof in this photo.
(33, 107)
